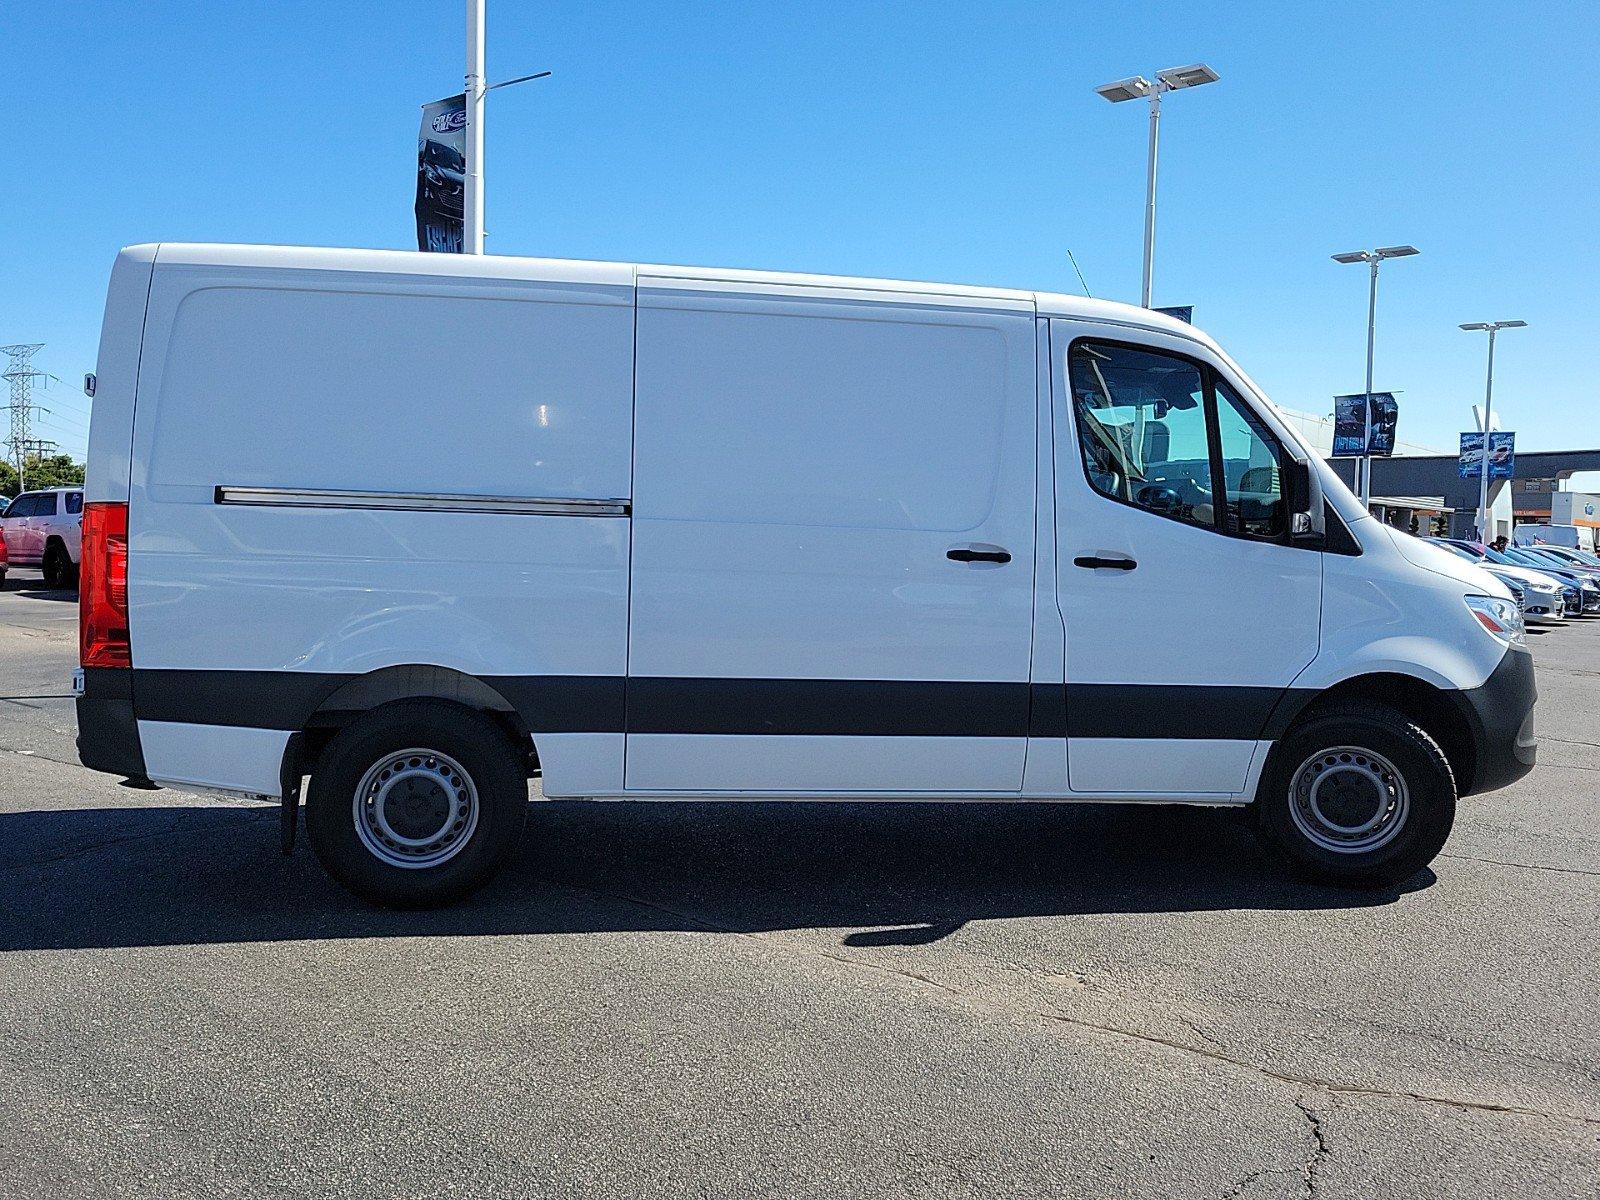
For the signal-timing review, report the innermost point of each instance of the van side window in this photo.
(74, 503)
(1141, 419)
(1251, 461)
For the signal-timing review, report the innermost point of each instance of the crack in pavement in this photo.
(90, 848)
(1495, 862)
(60, 762)
(1328, 1085)
(1201, 1032)
(1319, 1152)
(66, 855)
(1300, 1081)
(1545, 737)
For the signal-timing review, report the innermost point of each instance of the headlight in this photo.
(1500, 617)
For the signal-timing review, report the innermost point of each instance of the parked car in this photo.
(44, 529)
(1578, 587)
(1571, 586)
(4, 558)
(1513, 585)
(685, 532)
(1543, 601)
(1589, 573)
(1582, 558)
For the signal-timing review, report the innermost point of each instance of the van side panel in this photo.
(117, 376)
(383, 385)
(815, 471)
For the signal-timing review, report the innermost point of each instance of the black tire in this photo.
(1378, 766)
(440, 731)
(56, 566)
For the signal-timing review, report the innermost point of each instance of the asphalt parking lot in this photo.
(794, 1000)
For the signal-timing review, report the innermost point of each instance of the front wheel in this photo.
(417, 803)
(1357, 795)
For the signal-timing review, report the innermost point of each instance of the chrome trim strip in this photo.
(422, 502)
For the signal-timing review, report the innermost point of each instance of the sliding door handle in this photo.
(970, 554)
(1094, 563)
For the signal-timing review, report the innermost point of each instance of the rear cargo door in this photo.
(833, 541)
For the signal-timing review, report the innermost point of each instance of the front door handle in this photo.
(968, 554)
(1094, 563)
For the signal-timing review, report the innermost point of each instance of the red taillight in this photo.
(103, 587)
(2, 547)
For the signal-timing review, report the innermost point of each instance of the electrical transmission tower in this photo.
(20, 375)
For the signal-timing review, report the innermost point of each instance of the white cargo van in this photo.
(421, 527)
(1571, 537)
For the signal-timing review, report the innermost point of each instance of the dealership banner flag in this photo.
(441, 174)
(1350, 424)
(1502, 455)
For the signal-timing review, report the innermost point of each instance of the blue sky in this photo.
(946, 141)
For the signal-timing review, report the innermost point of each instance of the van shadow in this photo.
(897, 874)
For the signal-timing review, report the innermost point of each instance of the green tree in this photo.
(55, 470)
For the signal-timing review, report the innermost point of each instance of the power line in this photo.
(73, 424)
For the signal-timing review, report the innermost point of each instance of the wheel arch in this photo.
(1438, 711)
(387, 685)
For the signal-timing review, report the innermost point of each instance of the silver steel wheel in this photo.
(416, 808)
(1349, 800)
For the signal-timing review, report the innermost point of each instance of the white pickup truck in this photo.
(44, 529)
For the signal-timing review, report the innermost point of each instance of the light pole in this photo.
(473, 93)
(1492, 328)
(1170, 80)
(1373, 258)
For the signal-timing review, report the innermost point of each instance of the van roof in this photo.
(558, 270)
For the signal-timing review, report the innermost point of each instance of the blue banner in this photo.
(1502, 455)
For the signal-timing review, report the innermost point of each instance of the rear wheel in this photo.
(1357, 795)
(57, 566)
(417, 803)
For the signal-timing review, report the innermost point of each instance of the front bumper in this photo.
(1500, 712)
(1545, 608)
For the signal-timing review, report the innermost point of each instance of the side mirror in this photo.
(1297, 498)
(1297, 486)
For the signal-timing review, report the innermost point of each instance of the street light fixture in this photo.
(1373, 258)
(1171, 80)
(1491, 328)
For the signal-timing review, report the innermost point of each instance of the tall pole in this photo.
(472, 208)
(1171, 80)
(1372, 258)
(1364, 463)
(1483, 466)
(1150, 196)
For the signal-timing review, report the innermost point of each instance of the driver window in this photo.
(1141, 420)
